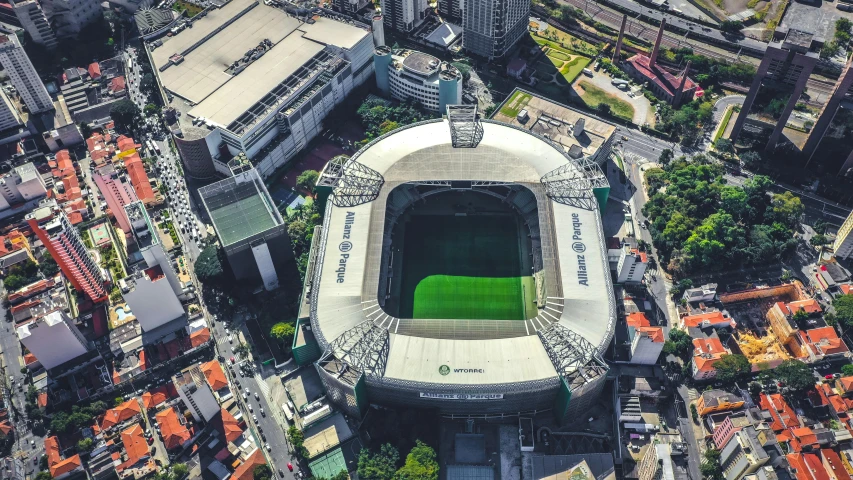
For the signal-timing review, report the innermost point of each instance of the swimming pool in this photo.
(122, 313)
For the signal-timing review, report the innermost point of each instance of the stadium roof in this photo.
(583, 303)
(197, 63)
(240, 207)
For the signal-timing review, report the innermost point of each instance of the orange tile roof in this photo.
(200, 337)
(846, 383)
(121, 413)
(94, 70)
(134, 443)
(125, 143)
(714, 318)
(245, 471)
(173, 431)
(51, 449)
(822, 341)
(637, 319)
(782, 414)
(846, 288)
(215, 376)
(138, 177)
(66, 466)
(230, 426)
(150, 400)
(708, 345)
(808, 305)
(6, 427)
(655, 334)
(805, 436)
(42, 399)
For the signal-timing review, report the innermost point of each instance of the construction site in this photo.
(764, 331)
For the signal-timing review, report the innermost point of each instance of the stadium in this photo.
(461, 267)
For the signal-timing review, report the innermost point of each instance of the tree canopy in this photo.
(262, 472)
(378, 118)
(847, 370)
(795, 374)
(421, 464)
(843, 306)
(380, 465)
(208, 266)
(283, 332)
(124, 112)
(700, 223)
(307, 180)
(731, 368)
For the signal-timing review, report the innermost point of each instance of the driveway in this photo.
(643, 112)
(722, 104)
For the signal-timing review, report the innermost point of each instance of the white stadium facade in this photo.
(550, 361)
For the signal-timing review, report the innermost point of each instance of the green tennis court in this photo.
(464, 268)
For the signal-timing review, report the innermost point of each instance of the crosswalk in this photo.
(692, 394)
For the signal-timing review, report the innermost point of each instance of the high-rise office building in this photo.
(118, 192)
(843, 245)
(493, 27)
(778, 84)
(450, 8)
(52, 338)
(249, 227)
(34, 21)
(68, 17)
(404, 15)
(349, 6)
(828, 148)
(24, 77)
(52, 227)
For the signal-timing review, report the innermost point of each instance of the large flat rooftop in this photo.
(211, 65)
(556, 121)
(239, 207)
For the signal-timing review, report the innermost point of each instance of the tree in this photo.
(262, 472)
(48, 267)
(421, 464)
(750, 159)
(796, 375)
(830, 319)
(787, 207)
(380, 465)
(150, 110)
(208, 266)
(754, 388)
(666, 156)
(847, 370)
(387, 127)
(117, 401)
(307, 180)
(732, 368)
(800, 315)
(694, 413)
(679, 344)
(242, 350)
(124, 112)
(297, 438)
(843, 306)
(180, 470)
(44, 476)
(724, 146)
(818, 239)
(603, 108)
(85, 445)
(464, 69)
(731, 26)
(283, 332)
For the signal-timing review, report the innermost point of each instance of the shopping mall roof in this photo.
(235, 55)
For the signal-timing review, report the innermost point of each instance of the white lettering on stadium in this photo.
(463, 396)
(344, 247)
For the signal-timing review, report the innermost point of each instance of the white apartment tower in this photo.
(196, 393)
(493, 27)
(404, 15)
(53, 339)
(632, 265)
(34, 21)
(843, 245)
(23, 75)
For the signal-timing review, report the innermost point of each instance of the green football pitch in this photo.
(464, 268)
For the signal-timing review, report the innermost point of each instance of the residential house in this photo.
(806, 466)
(714, 319)
(60, 468)
(782, 415)
(705, 294)
(120, 414)
(717, 401)
(706, 352)
(173, 429)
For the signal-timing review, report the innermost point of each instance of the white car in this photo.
(231, 340)
(255, 418)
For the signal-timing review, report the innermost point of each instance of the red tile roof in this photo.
(174, 433)
(138, 177)
(151, 400)
(808, 305)
(822, 341)
(663, 79)
(116, 85)
(215, 376)
(134, 442)
(6, 427)
(713, 318)
(227, 425)
(831, 458)
(782, 414)
(245, 471)
(94, 70)
(55, 463)
(121, 413)
(199, 337)
(637, 319)
(655, 334)
(42, 399)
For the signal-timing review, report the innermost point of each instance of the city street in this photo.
(11, 351)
